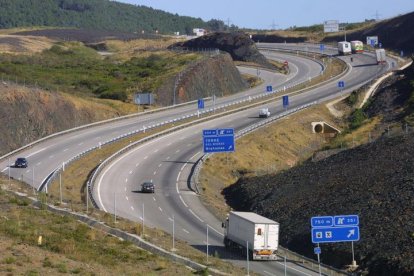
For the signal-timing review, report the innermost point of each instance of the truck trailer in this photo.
(344, 48)
(249, 230)
(357, 46)
(381, 56)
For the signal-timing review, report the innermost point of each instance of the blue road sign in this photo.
(218, 140)
(285, 101)
(317, 250)
(322, 47)
(341, 84)
(402, 53)
(269, 88)
(325, 221)
(380, 45)
(200, 103)
(335, 234)
(347, 220)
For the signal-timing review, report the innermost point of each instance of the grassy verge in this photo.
(268, 150)
(67, 246)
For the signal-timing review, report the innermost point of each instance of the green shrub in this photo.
(357, 118)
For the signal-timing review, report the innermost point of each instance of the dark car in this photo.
(21, 162)
(147, 187)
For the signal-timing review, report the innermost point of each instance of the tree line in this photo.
(100, 15)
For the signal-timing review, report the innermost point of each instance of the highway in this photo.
(47, 156)
(167, 160)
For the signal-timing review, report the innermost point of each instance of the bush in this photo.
(357, 118)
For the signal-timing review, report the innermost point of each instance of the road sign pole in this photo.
(353, 255)
(285, 265)
(319, 262)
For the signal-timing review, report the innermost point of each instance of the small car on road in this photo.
(147, 187)
(21, 162)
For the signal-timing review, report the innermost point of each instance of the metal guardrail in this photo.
(241, 133)
(59, 169)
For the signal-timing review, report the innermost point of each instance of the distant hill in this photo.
(93, 14)
(396, 33)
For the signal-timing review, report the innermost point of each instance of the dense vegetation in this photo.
(74, 68)
(97, 14)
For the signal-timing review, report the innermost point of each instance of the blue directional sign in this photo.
(325, 221)
(402, 53)
(380, 45)
(218, 140)
(335, 234)
(285, 101)
(317, 250)
(269, 88)
(341, 84)
(200, 103)
(322, 47)
(347, 220)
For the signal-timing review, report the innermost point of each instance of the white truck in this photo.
(357, 46)
(264, 113)
(381, 56)
(344, 48)
(249, 230)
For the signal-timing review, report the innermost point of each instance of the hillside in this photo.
(237, 44)
(93, 14)
(375, 180)
(396, 33)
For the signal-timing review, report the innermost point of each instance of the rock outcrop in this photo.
(237, 44)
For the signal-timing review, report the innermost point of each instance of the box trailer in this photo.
(357, 46)
(249, 230)
(380, 56)
(344, 48)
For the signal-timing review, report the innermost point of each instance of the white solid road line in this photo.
(304, 273)
(4, 169)
(182, 200)
(268, 273)
(186, 231)
(36, 152)
(191, 211)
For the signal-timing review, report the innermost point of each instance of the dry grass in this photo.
(15, 44)
(68, 246)
(271, 149)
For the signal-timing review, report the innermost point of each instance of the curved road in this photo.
(167, 162)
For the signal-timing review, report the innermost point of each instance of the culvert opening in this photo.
(318, 128)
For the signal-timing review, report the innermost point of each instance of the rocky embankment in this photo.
(29, 114)
(375, 181)
(237, 44)
(210, 76)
